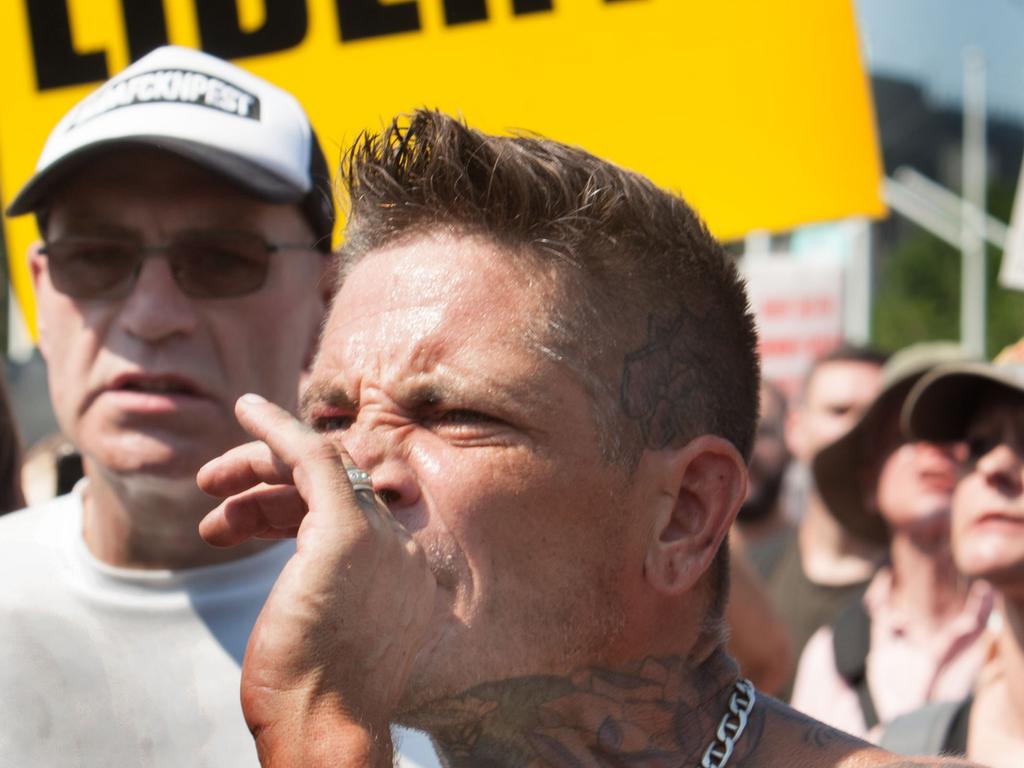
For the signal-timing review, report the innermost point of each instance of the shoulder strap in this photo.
(925, 731)
(956, 735)
(851, 642)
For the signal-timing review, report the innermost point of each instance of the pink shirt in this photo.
(906, 667)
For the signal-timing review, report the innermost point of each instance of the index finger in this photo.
(241, 468)
(318, 466)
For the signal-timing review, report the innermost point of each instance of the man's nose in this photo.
(156, 308)
(379, 449)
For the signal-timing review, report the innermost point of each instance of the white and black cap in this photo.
(203, 109)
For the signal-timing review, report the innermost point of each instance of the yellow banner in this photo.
(758, 112)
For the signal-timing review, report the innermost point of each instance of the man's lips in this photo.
(156, 384)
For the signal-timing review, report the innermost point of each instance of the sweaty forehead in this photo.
(436, 302)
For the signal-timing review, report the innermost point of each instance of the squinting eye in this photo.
(459, 417)
(331, 423)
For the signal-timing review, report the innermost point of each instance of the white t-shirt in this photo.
(103, 667)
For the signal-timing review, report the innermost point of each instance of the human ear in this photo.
(325, 288)
(328, 277)
(705, 483)
(37, 267)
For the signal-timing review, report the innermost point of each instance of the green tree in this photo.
(918, 290)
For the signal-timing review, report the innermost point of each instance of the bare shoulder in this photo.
(781, 737)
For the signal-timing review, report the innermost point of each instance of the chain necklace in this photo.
(741, 702)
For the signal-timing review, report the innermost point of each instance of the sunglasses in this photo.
(205, 265)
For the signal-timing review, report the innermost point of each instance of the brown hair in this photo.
(646, 304)
(844, 353)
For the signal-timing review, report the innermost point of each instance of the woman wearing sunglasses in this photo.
(984, 406)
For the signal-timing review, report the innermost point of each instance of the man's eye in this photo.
(461, 418)
(331, 423)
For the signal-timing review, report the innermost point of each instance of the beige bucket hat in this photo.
(941, 404)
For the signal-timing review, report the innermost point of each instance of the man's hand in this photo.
(329, 657)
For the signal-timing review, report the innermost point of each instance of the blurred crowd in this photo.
(897, 572)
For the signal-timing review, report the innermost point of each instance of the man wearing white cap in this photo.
(186, 219)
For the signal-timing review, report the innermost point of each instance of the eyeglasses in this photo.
(205, 265)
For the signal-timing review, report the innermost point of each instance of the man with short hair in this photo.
(761, 522)
(186, 218)
(526, 430)
(812, 571)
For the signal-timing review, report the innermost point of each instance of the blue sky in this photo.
(922, 40)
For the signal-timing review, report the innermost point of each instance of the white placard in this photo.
(799, 310)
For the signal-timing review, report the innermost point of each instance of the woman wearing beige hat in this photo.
(913, 636)
(984, 405)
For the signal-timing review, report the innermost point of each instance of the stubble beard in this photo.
(569, 637)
